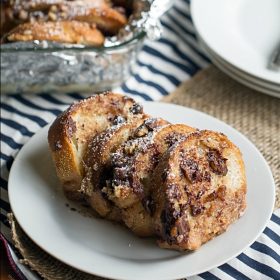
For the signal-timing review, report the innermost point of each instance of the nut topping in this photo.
(191, 171)
(217, 163)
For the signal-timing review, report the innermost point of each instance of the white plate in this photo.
(243, 75)
(239, 76)
(102, 248)
(242, 32)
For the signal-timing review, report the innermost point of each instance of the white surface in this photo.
(102, 248)
(239, 76)
(239, 72)
(242, 32)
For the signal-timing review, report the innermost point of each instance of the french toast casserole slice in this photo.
(70, 133)
(133, 164)
(198, 190)
(97, 162)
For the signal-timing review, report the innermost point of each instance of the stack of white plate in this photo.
(240, 37)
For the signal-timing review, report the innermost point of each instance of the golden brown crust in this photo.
(72, 32)
(70, 132)
(138, 220)
(99, 13)
(108, 20)
(198, 189)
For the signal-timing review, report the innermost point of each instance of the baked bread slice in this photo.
(133, 165)
(106, 18)
(97, 13)
(73, 32)
(198, 190)
(71, 131)
(97, 161)
(100, 13)
(136, 158)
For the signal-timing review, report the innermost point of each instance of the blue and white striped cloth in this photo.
(162, 65)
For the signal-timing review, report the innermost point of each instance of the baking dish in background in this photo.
(48, 67)
(40, 66)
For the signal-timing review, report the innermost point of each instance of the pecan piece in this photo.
(217, 162)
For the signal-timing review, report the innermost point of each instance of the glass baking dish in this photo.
(49, 67)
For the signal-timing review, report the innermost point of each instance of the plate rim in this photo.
(228, 70)
(211, 266)
(196, 7)
(240, 73)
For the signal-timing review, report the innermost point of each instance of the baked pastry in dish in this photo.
(73, 32)
(97, 18)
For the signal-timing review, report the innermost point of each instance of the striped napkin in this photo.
(162, 65)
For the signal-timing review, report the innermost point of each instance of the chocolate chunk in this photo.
(173, 226)
(191, 171)
(182, 226)
(167, 221)
(110, 118)
(164, 175)
(136, 109)
(217, 163)
(196, 209)
(115, 182)
(118, 120)
(121, 173)
(173, 138)
(207, 176)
